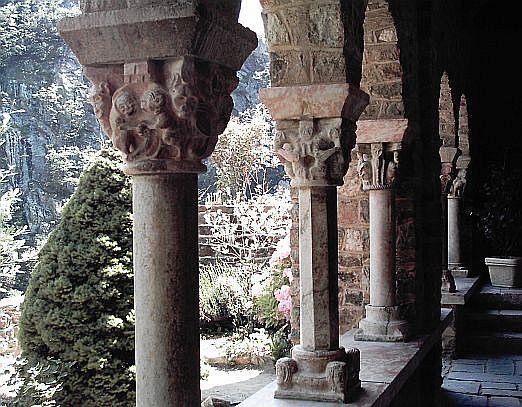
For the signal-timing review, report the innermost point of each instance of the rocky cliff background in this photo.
(52, 130)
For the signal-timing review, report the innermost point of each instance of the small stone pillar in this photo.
(378, 147)
(162, 77)
(447, 159)
(455, 196)
(315, 133)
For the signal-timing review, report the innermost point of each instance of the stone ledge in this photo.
(466, 287)
(385, 369)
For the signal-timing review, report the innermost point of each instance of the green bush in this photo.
(224, 295)
(77, 319)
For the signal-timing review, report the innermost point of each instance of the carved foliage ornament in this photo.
(378, 164)
(172, 110)
(313, 152)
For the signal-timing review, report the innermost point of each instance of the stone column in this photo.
(315, 133)
(455, 196)
(378, 155)
(447, 158)
(162, 76)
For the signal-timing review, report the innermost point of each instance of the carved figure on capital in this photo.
(166, 110)
(311, 151)
(378, 164)
(459, 184)
(446, 177)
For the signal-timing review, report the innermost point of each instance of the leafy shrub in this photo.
(77, 319)
(244, 153)
(500, 217)
(224, 295)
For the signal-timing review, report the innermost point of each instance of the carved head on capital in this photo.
(125, 103)
(164, 110)
(311, 151)
(459, 184)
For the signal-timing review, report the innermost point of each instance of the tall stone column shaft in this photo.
(455, 257)
(318, 268)
(378, 147)
(315, 133)
(162, 74)
(382, 247)
(166, 269)
(447, 157)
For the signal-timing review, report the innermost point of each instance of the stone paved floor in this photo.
(486, 381)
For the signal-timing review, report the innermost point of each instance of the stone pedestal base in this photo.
(382, 324)
(448, 282)
(459, 271)
(319, 375)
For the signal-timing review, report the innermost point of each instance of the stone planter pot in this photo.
(505, 271)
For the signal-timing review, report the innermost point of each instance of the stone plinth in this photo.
(378, 147)
(162, 74)
(315, 133)
(386, 368)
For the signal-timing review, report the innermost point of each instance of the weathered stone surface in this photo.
(379, 131)
(166, 273)
(151, 111)
(326, 28)
(156, 31)
(317, 101)
(320, 375)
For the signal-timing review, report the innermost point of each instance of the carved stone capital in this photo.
(378, 164)
(164, 116)
(315, 130)
(314, 152)
(458, 185)
(448, 156)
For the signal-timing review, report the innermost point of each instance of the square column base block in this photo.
(382, 324)
(458, 271)
(319, 375)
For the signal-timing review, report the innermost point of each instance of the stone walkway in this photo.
(486, 381)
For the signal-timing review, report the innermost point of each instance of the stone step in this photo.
(499, 343)
(496, 298)
(499, 320)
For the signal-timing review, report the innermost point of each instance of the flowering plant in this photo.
(281, 260)
(274, 305)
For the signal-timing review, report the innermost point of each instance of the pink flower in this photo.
(287, 272)
(285, 301)
(283, 293)
(285, 307)
(281, 252)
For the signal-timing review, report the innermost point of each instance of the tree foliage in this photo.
(243, 154)
(77, 319)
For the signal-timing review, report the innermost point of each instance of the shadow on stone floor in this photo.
(235, 384)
